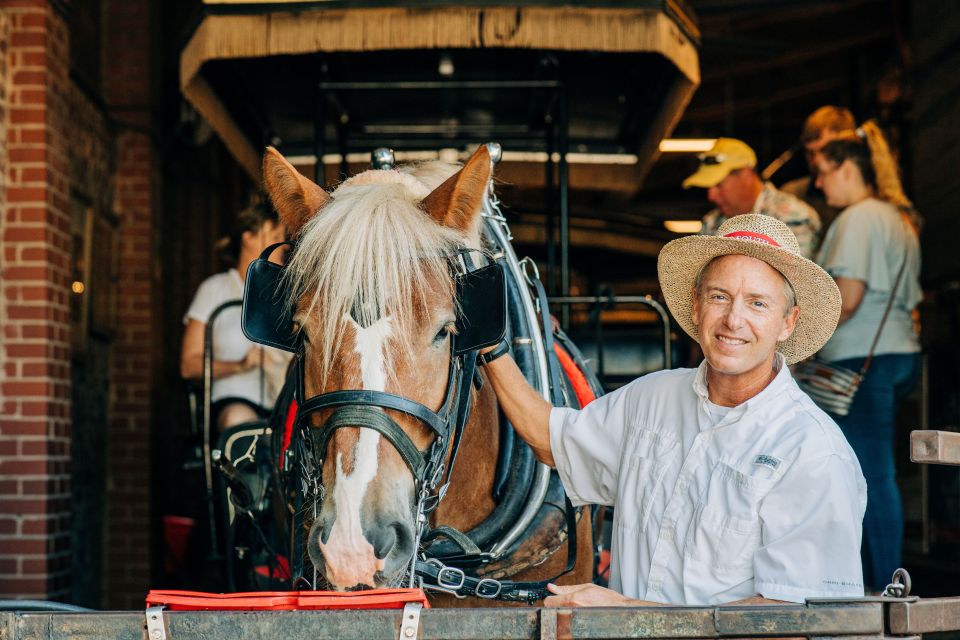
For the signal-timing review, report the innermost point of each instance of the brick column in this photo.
(34, 287)
(127, 90)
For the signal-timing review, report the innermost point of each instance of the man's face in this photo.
(740, 312)
(736, 194)
(813, 148)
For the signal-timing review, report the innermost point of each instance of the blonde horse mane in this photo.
(370, 252)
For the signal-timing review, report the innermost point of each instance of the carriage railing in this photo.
(608, 303)
(207, 415)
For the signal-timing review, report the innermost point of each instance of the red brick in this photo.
(32, 135)
(28, 116)
(23, 587)
(22, 427)
(22, 467)
(23, 546)
(28, 39)
(26, 154)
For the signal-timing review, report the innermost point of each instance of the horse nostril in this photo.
(384, 541)
(324, 526)
(392, 540)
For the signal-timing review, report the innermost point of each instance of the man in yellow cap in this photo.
(728, 173)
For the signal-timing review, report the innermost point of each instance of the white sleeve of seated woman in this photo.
(586, 446)
(210, 294)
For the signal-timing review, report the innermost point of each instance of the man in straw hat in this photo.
(728, 173)
(730, 484)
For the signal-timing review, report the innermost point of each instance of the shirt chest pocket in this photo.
(725, 530)
(646, 461)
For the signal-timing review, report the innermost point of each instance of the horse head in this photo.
(374, 299)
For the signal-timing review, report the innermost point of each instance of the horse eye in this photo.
(443, 333)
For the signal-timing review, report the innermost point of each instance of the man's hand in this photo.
(589, 595)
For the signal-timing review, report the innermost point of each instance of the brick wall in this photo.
(128, 94)
(34, 285)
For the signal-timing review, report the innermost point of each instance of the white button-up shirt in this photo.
(714, 504)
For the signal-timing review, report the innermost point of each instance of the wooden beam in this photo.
(935, 447)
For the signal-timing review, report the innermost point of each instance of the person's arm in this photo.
(851, 295)
(591, 595)
(523, 405)
(191, 356)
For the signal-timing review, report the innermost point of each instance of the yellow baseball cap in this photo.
(726, 155)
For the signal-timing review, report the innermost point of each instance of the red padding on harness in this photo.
(581, 388)
(286, 600)
(288, 430)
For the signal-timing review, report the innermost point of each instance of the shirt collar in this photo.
(763, 198)
(769, 392)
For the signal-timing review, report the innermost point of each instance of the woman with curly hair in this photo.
(873, 252)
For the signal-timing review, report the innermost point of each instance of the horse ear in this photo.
(296, 198)
(456, 202)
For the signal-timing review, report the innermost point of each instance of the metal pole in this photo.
(549, 209)
(563, 143)
(319, 136)
(342, 123)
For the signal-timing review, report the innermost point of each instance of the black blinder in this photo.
(267, 317)
(482, 318)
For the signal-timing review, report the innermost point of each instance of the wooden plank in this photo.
(935, 447)
(830, 620)
(928, 615)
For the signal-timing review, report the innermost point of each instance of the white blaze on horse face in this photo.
(354, 559)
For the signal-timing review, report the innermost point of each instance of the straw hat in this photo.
(764, 238)
(726, 155)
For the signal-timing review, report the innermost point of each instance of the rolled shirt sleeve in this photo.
(586, 446)
(811, 527)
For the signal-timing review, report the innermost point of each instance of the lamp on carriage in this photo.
(686, 145)
(445, 68)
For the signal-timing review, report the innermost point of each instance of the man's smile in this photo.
(731, 340)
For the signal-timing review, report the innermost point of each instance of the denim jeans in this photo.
(869, 428)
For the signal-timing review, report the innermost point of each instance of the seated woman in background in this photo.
(246, 377)
(871, 241)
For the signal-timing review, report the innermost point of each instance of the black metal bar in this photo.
(566, 301)
(549, 172)
(403, 85)
(208, 417)
(342, 123)
(563, 194)
(320, 136)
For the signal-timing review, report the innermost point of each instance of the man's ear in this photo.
(695, 309)
(296, 198)
(789, 323)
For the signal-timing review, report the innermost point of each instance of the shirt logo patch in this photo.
(768, 461)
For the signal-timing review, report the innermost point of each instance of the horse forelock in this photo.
(371, 253)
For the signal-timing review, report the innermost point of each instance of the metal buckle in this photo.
(488, 588)
(454, 583)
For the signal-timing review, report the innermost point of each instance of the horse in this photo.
(372, 294)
